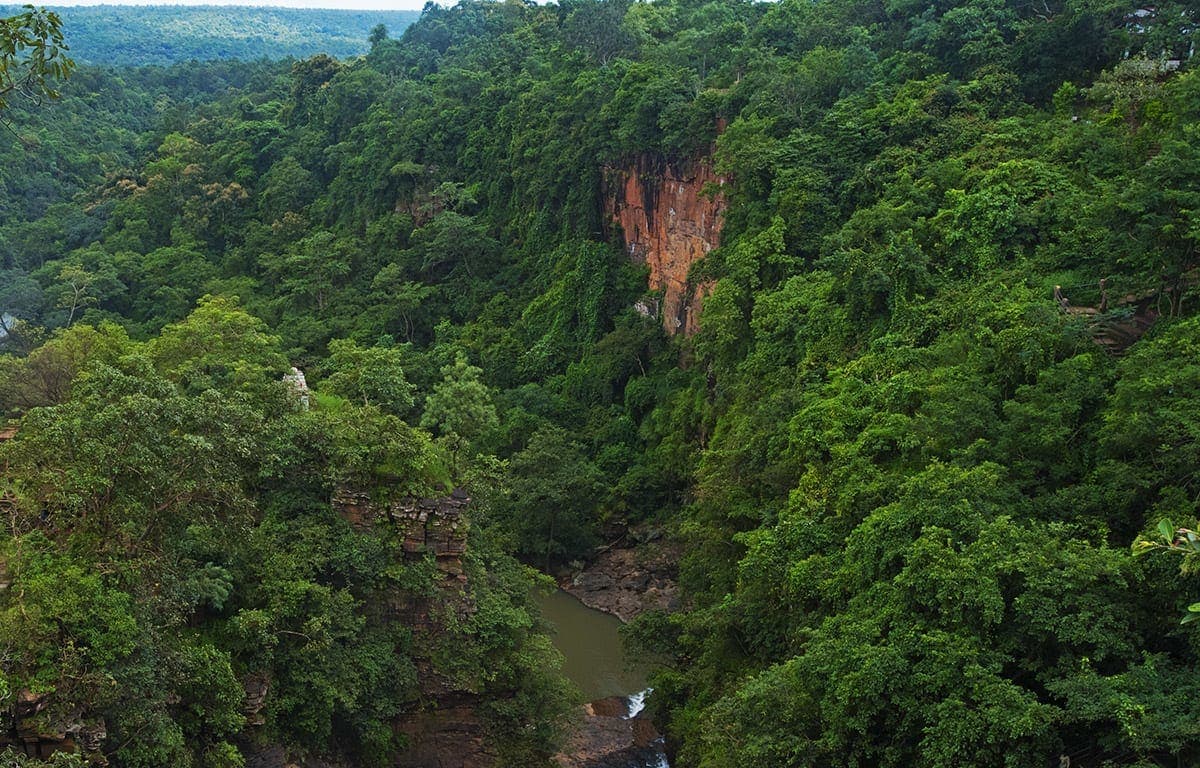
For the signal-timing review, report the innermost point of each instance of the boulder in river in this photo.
(609, 737)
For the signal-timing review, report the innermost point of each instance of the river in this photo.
(595, 659)
(591, 646)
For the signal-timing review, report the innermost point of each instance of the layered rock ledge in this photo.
(611, 738)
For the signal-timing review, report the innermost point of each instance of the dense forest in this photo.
(931, 446)
(125, 35)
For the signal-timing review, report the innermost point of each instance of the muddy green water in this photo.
(595, 659)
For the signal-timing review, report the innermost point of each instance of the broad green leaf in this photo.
(1166, 530)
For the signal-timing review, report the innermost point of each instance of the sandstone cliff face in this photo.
(444, 730)
(668, 222)
(436, 526)
(450, 735)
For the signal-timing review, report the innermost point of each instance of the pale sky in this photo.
(369, 5)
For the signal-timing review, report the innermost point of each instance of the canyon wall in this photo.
(444, 729)
(669, 217)
(434, 526)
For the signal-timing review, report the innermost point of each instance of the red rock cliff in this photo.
(669, 223)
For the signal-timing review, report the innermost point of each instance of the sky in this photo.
(370, 5)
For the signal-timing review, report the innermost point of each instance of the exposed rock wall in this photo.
(451, 735)
(420, 526)
(33, 728)
(669, 221)
(444, 729)
(436, 526)
(637, 573)
(611, 737)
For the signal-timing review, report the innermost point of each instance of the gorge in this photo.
(614, 731)
(845, 350)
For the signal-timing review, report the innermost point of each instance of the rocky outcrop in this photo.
(610, 736)
(433, 526)
(443, 729)
(669, 216)
(436, 527)
(297, 387)
(420, 527)
(257, 685)
(636, 574)
(278, 756)
(35, 730)
(8, 502)
(448, 735)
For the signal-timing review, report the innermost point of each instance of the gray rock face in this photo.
(299, 386)
(627, 579)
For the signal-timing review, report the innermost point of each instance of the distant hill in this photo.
(122, 34)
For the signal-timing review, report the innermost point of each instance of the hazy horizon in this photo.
(336, 5)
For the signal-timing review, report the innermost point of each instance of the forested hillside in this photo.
(133, 35)
(103, 123)
(917, 375)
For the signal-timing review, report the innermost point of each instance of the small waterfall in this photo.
(657, 760)
(595, 661)
(637, 702)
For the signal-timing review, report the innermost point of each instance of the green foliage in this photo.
(907, 481)
(45, 375)
(459, 409)
(371, 375)
(10, 758)
(61, 604)
(218, 346)
(171, 534)
(552, 495)
(129, 36)
(32, 55)
(499, 648)
(377, 450)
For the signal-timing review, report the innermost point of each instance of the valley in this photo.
(375, 388)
